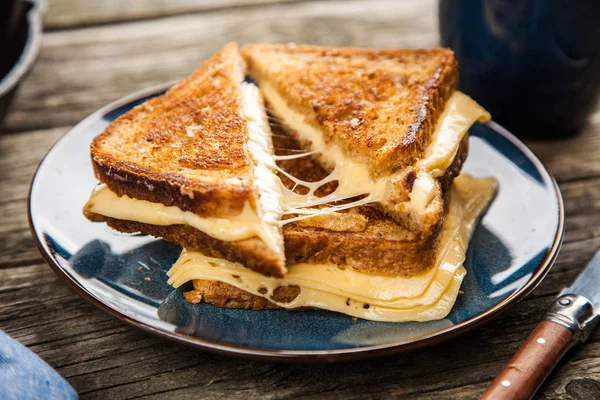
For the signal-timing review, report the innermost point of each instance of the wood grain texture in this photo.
(83, 67)
(80, 70)
(74, 13)
(19, 156)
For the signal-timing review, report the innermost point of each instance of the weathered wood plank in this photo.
(81, 70)
(73, 13)
(20, 155)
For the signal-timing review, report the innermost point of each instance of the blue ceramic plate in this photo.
(512, 249)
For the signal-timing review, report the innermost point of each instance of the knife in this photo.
(569, 321)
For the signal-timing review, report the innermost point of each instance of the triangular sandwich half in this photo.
(388, 122)
(195, 166)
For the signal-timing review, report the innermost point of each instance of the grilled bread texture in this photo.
(186, 148)
(379, 105)
(223, 295)
(362, 238)
(189, 148)
(252, 252)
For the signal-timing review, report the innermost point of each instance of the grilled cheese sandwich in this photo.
(387, 122)
(198, 156)
(353, 180)
(379, 233)
(426, 296)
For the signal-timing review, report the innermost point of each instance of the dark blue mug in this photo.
(20, 39)
(534, 64)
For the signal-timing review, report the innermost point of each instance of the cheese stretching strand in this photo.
(424, 297)
(353, 178)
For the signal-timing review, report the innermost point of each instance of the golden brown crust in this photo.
(223, 295)
(253, 252)
(213, 201)
(379, 105)
(186, 148)
(382, 248)
(454, 170)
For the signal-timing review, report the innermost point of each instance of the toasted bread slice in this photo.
(379, 105)
(193, 148)
(252, 252)
(375, 108)
(186, 148)
(223, 295)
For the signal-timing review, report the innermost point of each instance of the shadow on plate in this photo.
(140, 274)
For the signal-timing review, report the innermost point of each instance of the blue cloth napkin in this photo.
(23, 375)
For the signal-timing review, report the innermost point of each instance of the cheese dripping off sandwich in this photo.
(427, 296)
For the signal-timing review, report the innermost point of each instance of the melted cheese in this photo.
(266, 181)
(263, 223)
(460, 113)
(354, 178)
(275, 199)
(427, 296)
(243, 226)
(422, 192)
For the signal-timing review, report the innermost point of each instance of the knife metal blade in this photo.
(587, 283)
(578, 306)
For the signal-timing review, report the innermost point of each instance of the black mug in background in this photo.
(12, 39)
(534, 64)
(20, 38)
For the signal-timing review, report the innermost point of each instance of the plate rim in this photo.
(310, 356)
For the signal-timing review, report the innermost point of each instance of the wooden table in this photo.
(94, 52)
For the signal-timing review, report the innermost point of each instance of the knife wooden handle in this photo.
(530, 366)
(569, 320)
